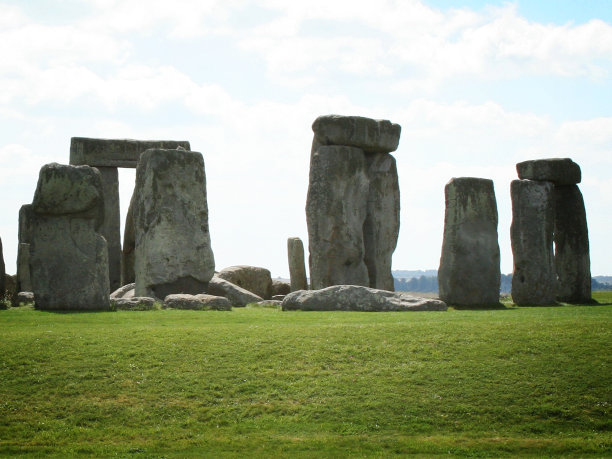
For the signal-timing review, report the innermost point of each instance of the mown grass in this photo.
(261, 382)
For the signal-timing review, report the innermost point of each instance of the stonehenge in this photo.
(352, 207)
(173, 253)
(547, 209)
(297, 267)
(68, 254)
(469, 273)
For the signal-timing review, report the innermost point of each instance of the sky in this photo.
(477, 86)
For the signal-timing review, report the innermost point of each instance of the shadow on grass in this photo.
(484, 307)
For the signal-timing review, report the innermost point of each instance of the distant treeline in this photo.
(429, 283)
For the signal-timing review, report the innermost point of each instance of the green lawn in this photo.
(262, 382)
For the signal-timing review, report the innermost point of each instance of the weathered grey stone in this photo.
(280, 288)
(218, 303)
(279, 297)
(10, 289)
(69, 264)
(381, 226)
(252, 278)
(572, 258)
(270, 303)
(69, 190)
(335, 213)
(297, 267)
(25, 298)
(24, 281)
(196, 302)
(560, 171)
(122, 291)
(129, 245)
(358, 298)
(111, 225)
(534, 280)
(68, 257)
(372, 136)
(469, 273)
(173, 252)
(136, 303)
(25, 225)
(115, 152)
(2, 272)
(236, 295)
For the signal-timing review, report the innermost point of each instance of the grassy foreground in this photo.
(262, 382)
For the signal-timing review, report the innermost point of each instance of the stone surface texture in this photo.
(372, 136)
(2, 272)
(129, 245)
(335, 213)
(297, 266)
(534, 279)
(280, 288)
(358, 298)
(236, 295)
(23, 267)
(252, 278)
(122, 291)
(199, 302)
(25, 298)
(111, 225)
(381, 226)
(469, 273)
(10, 289)
(572, 258)
(560, 171)
(68, 255)
(115, 152)
(135, 303)
(172, 242)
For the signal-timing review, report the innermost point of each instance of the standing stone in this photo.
(335, 213)
(469, 273)
(69, 257)
(534, 280)
(572, 259)
(111, 226)
(297, 267)
(381, 227)
(2, 272)
(129, 244)
(173, 252)
(24, 283)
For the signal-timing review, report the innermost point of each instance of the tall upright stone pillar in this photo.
(172, 252)
(571, 239)
(111, 226)
(297, 266)
(352, 207)
(469, 273)
(2, 272)
(534, 280)
(24, 283)
(129, 245)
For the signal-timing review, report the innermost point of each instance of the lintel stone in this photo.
(560, 171)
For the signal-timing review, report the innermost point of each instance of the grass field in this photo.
(262, 382)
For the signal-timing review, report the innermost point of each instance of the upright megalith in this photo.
(352, 207)
(68, 255)
(531, 233)
(336, 210)
(2, 272)
(381, 226)
(569, 230)
(469, 273)
(129, 245)
(572, 258)
(107, 155)
(172, 241)
(297, 266)
(24, 283)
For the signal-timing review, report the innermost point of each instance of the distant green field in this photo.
(262, 382)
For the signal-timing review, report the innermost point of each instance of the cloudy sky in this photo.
(477, 86)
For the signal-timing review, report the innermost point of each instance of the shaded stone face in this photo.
(381, 226)
(172, 241)
(469, 272)
(2, 271)
(371, 136)
(68, 256)
(534, 279)
(572, 259)
(252, 278)
(335, 212)
(129, 245)
(560, 171)
(297, 266)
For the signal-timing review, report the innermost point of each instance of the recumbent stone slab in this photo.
(252, 278)
(372, 136)
(560, 171)
(173, 253)
(469, 273)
